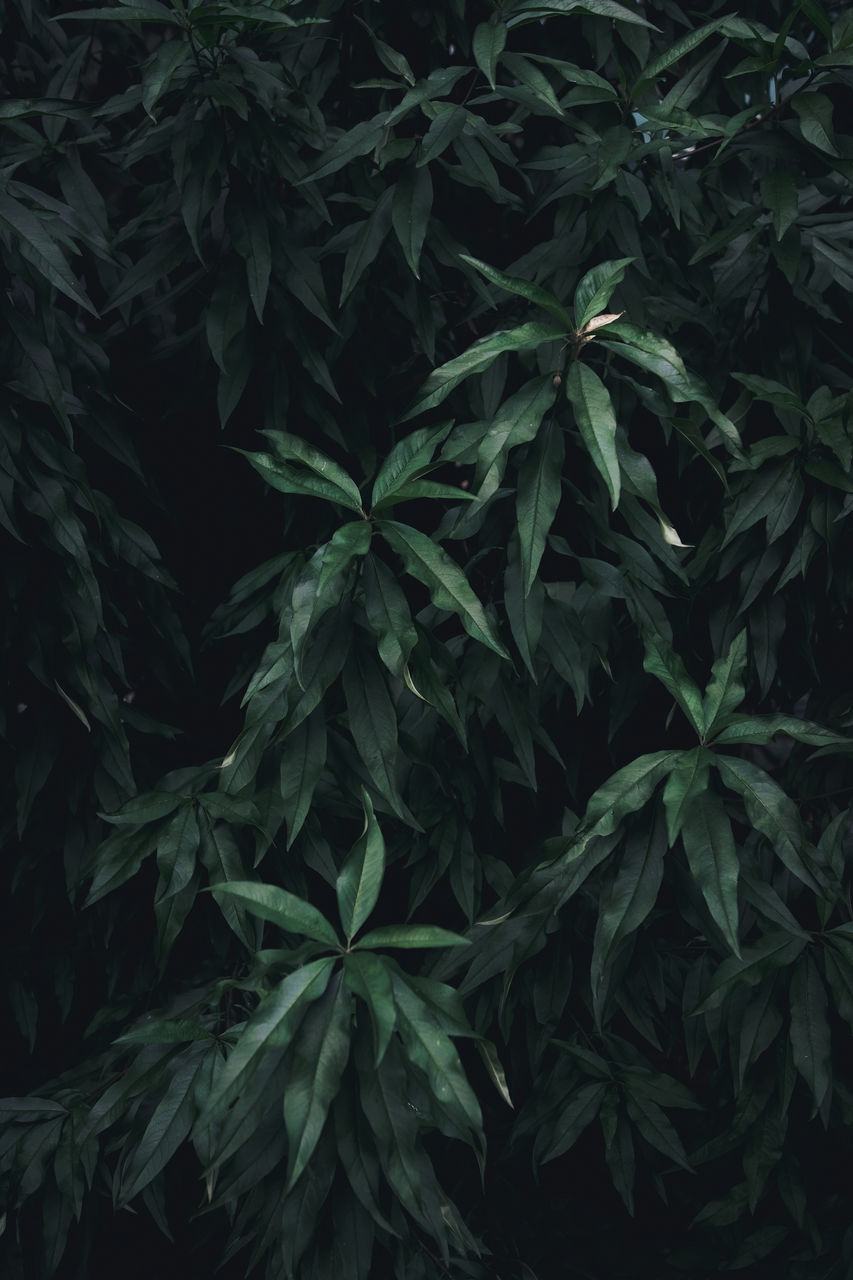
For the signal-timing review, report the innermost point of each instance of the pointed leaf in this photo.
(524, 288)
(596, 289)
(358, 141)
(302, 764)
(539, 490)
(281, 908)
(688, 779)
(657, 1130)
(320, 1053)
(448, 587)
(662, 662)
(389, 615)
(410, 936)
(769, 810)
(168, 1127)
(431, 1049)
(410, 211)
(810, 1036)
(596, 422)
(361, 876)
(725, 690)
(288, 447)
(271, 1027)
(410, 458)
(571, 1121)
(760, 729)
(370, 978)
(477, 358)
(712, 857)
(487, 46)
(366, 244)
(372, 719)
(776, 950)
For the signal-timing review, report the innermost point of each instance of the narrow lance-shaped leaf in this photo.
(688, 779)
(372, 719)
(281, 908)
(769, 810)
(725, 690)
(759, 729)
(319, 587)
(166, 1130)
(369, 977)
(410, 937)
(596, 289)
(662, 662)
(563, 1132)
(632, 895)
(712, 857)
(477, 358)
(410, 458)
(487, 46)
(302, 764)
(367, 243)
(596, 422)
(523, 288)
(361, 876)
(270, 1027)
(358, 141)
(410, 211)
(539, 489)
(776, 950)
(317, 1061)
(389, 616)
(293, 448)
(448, 587)
(810, 1035)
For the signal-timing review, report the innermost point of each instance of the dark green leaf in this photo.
(281, 908)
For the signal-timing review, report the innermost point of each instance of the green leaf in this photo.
(281, 908)
(815, 112)
(271, 1027)
(320, 585)
(288, 448)
(410, 458)
(524, 288)
(596, 422)
(740, 730)
(358, 141)
(563, 1131)
(410, 211)
(149, 11)
(430, 1048)
(150, 807)
(713, 860)
(361, 876)
(538, 497)
(252, 242)
(775, 950)
(725, 689)
(534, 10)
(779, 193)
(524, 611)
(42, 249)
(631, 895)
(370, 978)
(372, 719)
(626, 791)
(687, 781)
(810, 1036)
(487, 45)
(409, 937)
(676, 53)
(159, 70)
(477, 358)
(769, 810)
(595, 289)
(366, 244)
(302, 764)
(660, 661)
(389, 616)
(448, 587)
(168, 1127)
(320, 1053)
(654, 1126)
(445, 129)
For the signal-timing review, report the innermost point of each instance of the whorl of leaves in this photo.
(425, 466)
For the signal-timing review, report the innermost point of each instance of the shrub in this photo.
(465, 890)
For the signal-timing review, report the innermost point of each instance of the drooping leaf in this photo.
(445, 581)
(595, 289)
(319, 1055)
(596, 422)
(538, 497)
(708, 840)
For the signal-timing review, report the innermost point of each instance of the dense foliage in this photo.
(425, 481)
